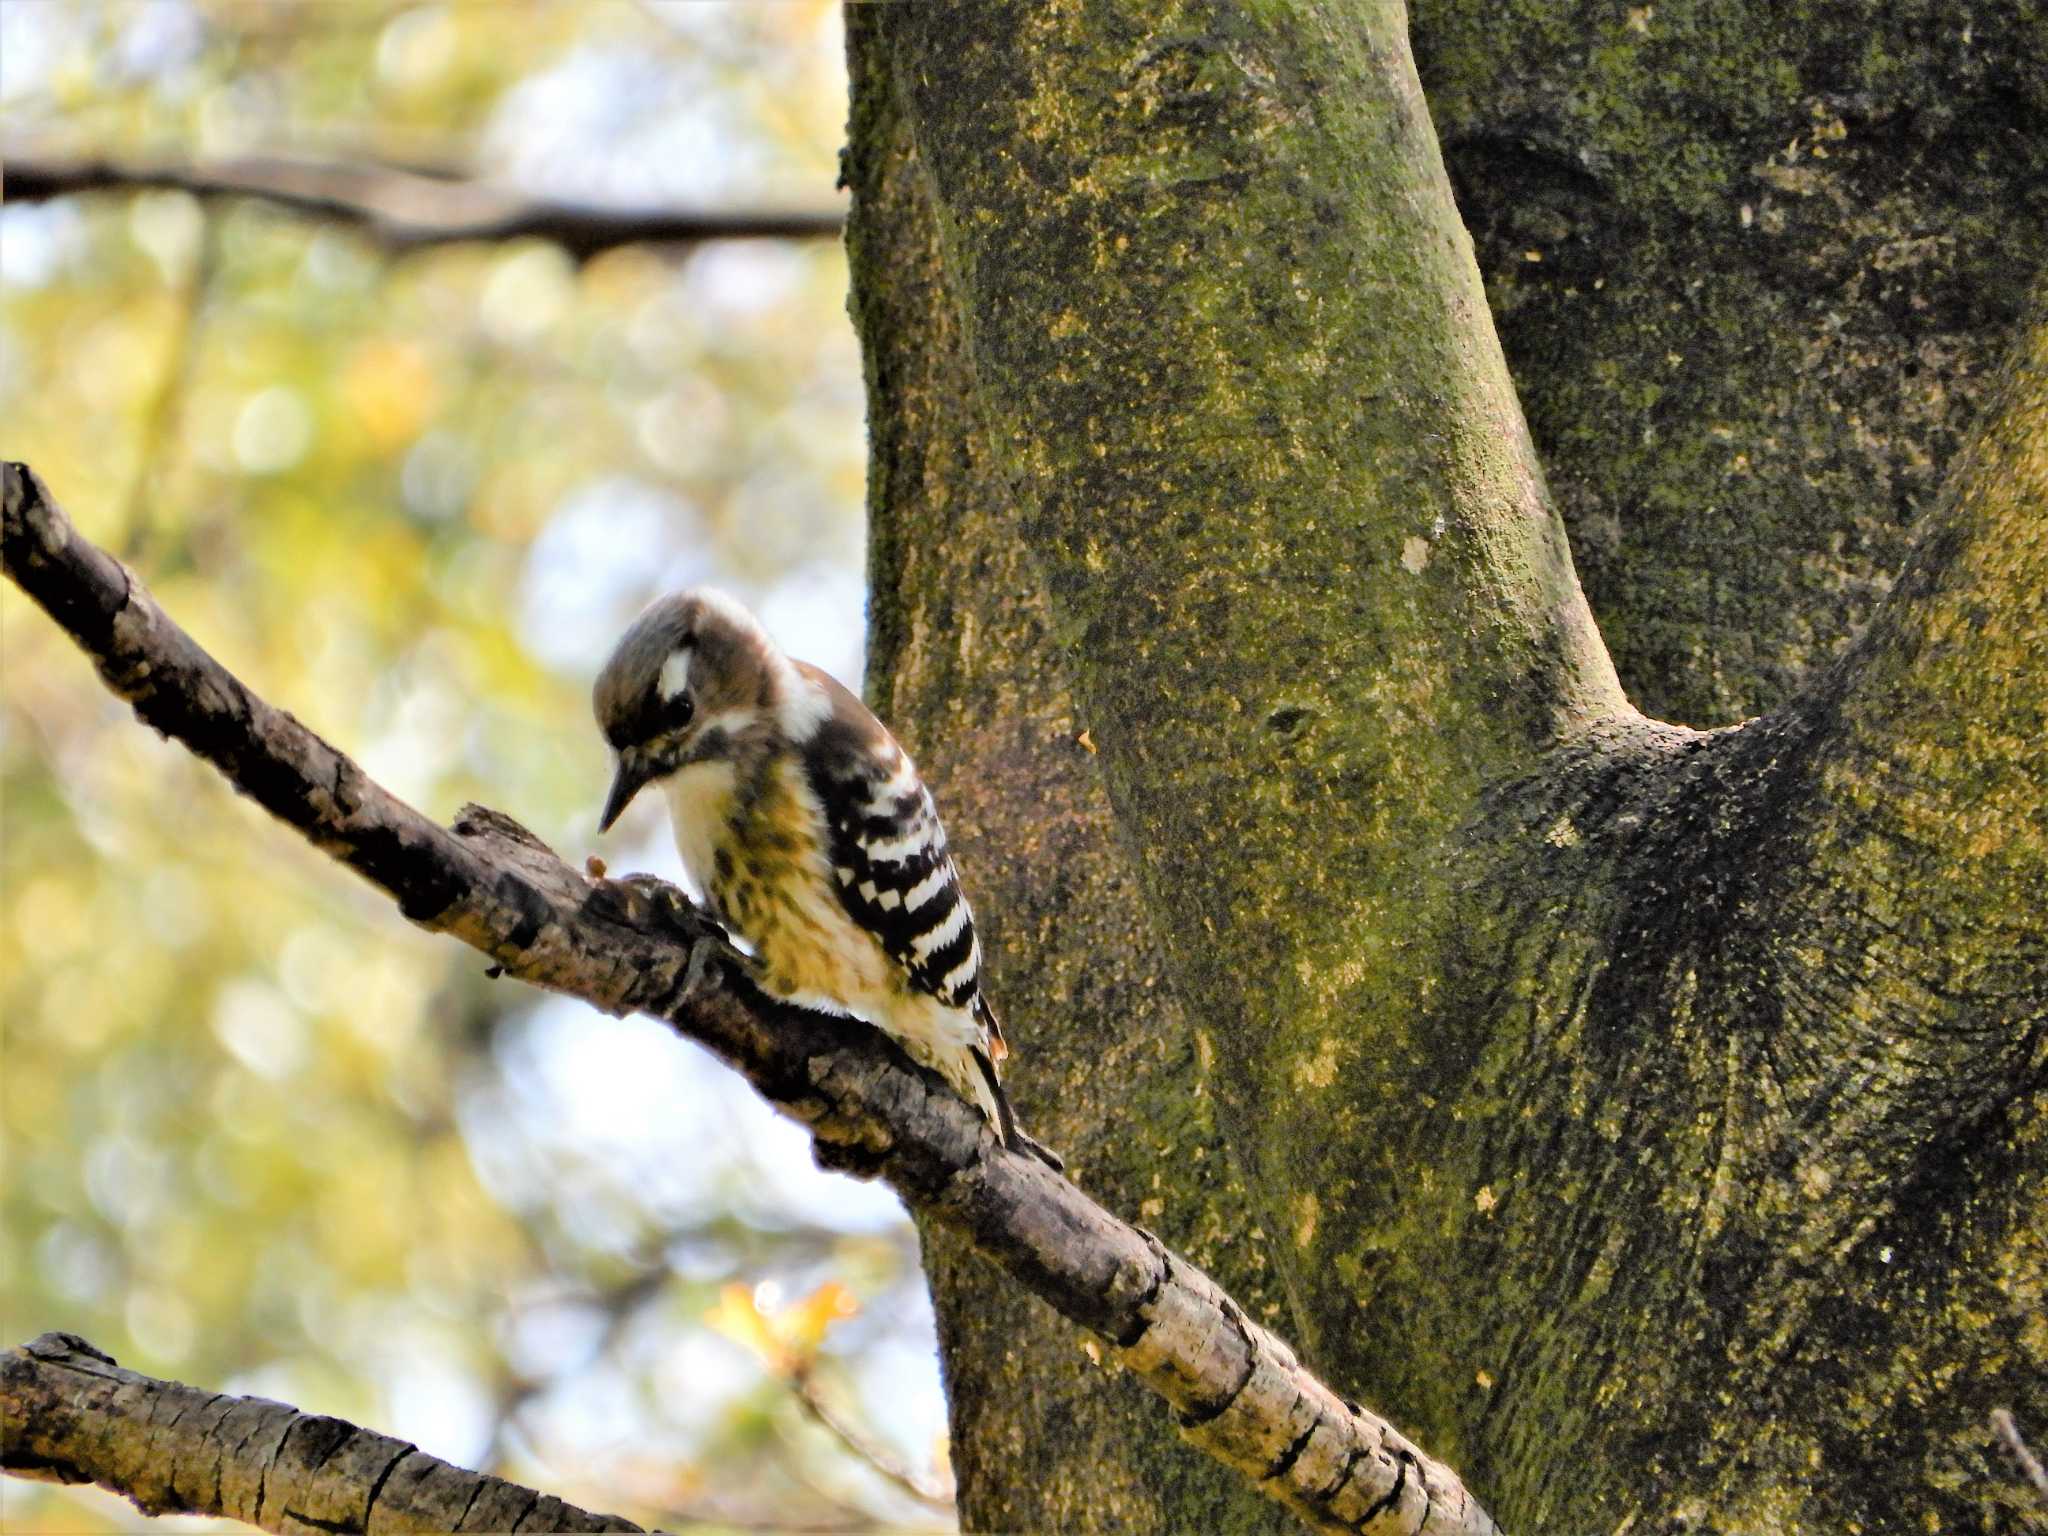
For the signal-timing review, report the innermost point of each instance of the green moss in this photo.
(1824, 212)
(1543, 1063)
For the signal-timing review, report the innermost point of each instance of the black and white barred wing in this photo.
(890, 866)
(895, 877)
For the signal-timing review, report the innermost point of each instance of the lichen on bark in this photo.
(962, 656)
(1652, 1117)
(1753, 264)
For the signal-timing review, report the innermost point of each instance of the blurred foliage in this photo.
(259, 1134)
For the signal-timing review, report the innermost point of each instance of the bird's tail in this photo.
(1015, 1137)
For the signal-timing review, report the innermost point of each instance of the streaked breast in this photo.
(700, 805)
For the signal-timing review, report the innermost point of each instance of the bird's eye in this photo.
(677, 711)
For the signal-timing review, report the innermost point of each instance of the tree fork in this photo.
(1675, 1094)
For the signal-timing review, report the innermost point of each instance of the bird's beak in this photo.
(631, 778)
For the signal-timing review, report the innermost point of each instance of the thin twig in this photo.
(804, 1381)
(167, 407)
(405, 210)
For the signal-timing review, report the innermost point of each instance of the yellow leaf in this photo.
(802, 1326)
(740, 1320)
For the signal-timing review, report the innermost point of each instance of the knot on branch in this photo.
(58, 1345)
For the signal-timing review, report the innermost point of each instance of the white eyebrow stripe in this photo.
(675, 673)
(931, 939)
(926, 888)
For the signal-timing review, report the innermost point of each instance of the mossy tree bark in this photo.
(1649, 1120)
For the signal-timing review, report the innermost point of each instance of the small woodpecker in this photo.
(809, 832)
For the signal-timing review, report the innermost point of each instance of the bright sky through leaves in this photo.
(260, 1134)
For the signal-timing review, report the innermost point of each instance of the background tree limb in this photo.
(406, 210)
(624, 947)
(71, 1415)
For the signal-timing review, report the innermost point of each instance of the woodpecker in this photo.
(806, 826)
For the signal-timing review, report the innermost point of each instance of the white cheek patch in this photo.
(675, 674)
(729, 723)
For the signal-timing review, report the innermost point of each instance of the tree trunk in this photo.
(1648, 1120)
(1754, 265)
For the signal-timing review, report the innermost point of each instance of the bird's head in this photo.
(694, 671)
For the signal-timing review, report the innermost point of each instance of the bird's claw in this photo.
(648, 901)
(645, 901)
(709, 951)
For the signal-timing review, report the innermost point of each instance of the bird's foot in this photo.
(709, 952)
(648, 901)
(640, 901)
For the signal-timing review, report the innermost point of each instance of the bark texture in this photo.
(72, 1415)
(637, 945)
(1754, 263)
(963, 658)
(1654, 1114)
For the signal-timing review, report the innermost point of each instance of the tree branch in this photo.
(405, 210)
(71, 1415)
(803, 1381)
(1238, 1390)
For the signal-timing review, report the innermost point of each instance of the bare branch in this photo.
(406, 210)
(804, 1382)
(71, 1415)
(1238, 1391)
(166, 409)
